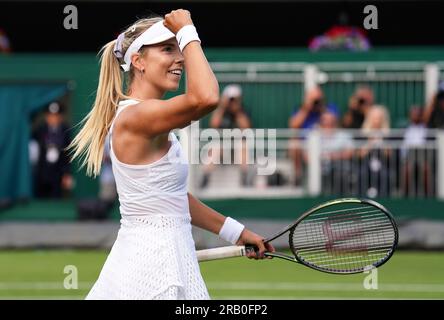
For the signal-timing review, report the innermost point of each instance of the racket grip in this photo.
(255, 250)
(251, 249)
(220, 253)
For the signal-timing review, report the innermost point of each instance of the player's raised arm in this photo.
(201, 96)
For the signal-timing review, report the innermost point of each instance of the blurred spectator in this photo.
(416, 133)
(230, 115)
(416, 164)
(337, 151)
(374, 155)
(359, 103)
(5, 45)
(52, 169)
(307, 117)
(311, 110)
(434, 113)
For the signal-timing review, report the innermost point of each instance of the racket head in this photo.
(344, 236)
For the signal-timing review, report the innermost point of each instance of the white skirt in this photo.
(152, 258)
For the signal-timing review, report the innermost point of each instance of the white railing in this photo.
(315, 162)
(300, 157)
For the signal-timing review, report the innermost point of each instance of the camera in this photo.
(361, 101)
(317, 103)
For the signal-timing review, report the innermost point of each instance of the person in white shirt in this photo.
(336, 155)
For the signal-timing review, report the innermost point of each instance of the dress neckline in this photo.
(128, 102)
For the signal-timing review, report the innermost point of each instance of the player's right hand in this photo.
(251, 238)
(177, 19)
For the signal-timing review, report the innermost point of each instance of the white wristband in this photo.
(231, 230)
(185, 35)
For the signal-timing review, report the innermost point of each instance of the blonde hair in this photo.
(89, 142)
(367, 126)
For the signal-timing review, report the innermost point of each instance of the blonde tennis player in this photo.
(154, 254)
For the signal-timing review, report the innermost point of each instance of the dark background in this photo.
(38, 26)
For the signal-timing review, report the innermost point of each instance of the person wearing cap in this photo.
(52, 172)
(154, 254)
(229, 115)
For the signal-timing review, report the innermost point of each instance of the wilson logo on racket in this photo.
(340, 241)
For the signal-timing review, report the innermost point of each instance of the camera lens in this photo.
(317, 103)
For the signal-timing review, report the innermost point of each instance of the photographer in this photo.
(308, 116)
(229, 115)
(359, 104)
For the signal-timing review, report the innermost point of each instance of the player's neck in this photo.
(144, 91)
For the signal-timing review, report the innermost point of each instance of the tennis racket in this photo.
(341, 236)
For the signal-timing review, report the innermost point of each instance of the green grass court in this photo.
(408, 275)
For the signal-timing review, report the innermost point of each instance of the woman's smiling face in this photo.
(163, 65)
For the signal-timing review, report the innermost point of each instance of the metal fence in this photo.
(396, 164)
(272, 91)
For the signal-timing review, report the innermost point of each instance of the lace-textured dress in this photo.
(154, 254)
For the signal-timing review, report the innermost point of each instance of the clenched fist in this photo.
(177, 19)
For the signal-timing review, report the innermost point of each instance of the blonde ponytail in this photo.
(89, 142)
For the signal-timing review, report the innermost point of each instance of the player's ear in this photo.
(138, 62)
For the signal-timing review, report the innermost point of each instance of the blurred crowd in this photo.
(363, 161)
(360, 161)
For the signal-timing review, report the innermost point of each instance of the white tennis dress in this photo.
(154, 254)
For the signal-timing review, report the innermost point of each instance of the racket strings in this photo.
(344, 240)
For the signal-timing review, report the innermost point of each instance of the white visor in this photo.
(155, 34)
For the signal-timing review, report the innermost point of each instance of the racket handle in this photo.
(220, 253)
(251, 249)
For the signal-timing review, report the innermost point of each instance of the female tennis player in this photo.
(154, 254)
